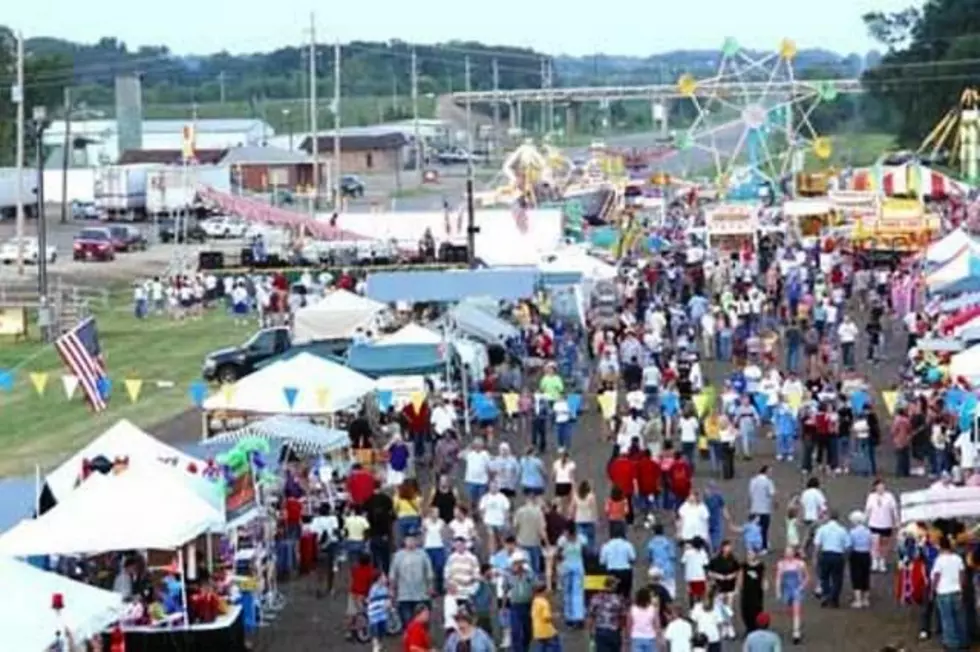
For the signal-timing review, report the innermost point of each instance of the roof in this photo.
(170, 156)
(255, 155)
(368, 139)
(205, 125)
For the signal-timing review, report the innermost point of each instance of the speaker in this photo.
(452, 254)
(211, 260)
(246, 258)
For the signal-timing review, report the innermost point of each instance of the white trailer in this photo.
(173, 189)
(120, 191)
(8, 192)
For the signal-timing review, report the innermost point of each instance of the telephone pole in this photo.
(221, 86)
(471, 229)
(544, 86)
(337, 186)
(469, 114)
(551, 101)
(65, 158)
(314, 135)
(21, 119)
(496, 106)
(415, 115)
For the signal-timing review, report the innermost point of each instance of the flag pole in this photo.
(37, 490)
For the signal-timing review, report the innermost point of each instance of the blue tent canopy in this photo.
(452, 286)
(481, 325)
(301, 435)
(397, 359)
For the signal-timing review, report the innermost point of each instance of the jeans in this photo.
(520, 627)
(563, 433)
(903, 462)
(437, 557)
(716, 453)
(745, 437)
(552, 644)
(728, 461)
(587, 530)
(784, 443)
(535, 558)
(380, 552)
(952, 619)
(806, 463)
(475, 492)
(831, 576)
(847, 353)
(139, 309)
(793, 359)
(405, 525)
(689, 449)
(937, 461)
(866, 455)
(539, 434)
(643, 645)
(764, 522)
(407, 609)
(607, 640)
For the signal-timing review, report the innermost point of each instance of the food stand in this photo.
(730, 227)
(901, 227)
(810, 215)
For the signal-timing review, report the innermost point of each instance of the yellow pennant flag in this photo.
(511, 400)
(322, 397)
(40, 381)
(702, 403)
(417, 398)
(228, 393)
(607, 404)
(133, 388)
(890, 399)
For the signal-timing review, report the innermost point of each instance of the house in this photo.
(363, 149)
(260, 168)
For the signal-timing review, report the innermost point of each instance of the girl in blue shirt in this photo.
(784, 423)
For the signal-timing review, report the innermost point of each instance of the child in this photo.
(617, 507)
(378, 608)
(361, 579)
(751, 535)
(793, 539)
(662, 554)
(695, 561)
(542, 625)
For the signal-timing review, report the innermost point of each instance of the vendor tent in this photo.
(940, 502)
(145, 508)
(481, 325)
(411, 333)
(576, 261)
(296, 434)
(397, 359)
(949, 247)
(338, 315)
(123, 440)
(966, 364)
(304, 384)
(961, 274)
(28, 622)
(472, 354)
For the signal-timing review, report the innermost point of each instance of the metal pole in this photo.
(496, 106)
(21, 120)
(551, 99)
(469, 115)
(42, 223)
(415, 115)
(337, 185)
(65, 158)
(314, 135)
(470, 212)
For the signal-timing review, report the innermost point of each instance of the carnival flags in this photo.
(891, 399)
(417, 399)
(198, 392)
(133, 388)
(322, 397)
(80, 351)
(40, 381)
(386, 399)
(69, 382)
(6, 380)
(574, 405)
(290, 394)
(227, 393)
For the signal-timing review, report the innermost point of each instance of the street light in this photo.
(39, 122)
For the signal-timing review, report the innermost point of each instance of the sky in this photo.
(637, 29)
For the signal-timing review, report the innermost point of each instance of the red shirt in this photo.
(294, 511)
(680, 479)
(416, 636)
(361, 578)
(360, 486)
(621, 474)
(417, 421)
(647, 476)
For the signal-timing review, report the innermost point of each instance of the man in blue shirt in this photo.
(662, 555)
(832, 542)
(617, 556)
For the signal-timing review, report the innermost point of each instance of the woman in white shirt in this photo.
(434, 544)
(813, 505)
(709, 618)
(476, 474)
(495, 514)
(693, 517)
(881, 510)
(462, 526)
(563, 475)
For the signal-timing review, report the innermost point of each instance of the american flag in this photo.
(80, 351)
(520, 217)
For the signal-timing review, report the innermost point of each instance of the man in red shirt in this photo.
(416, 637)
(647, 483)
(360, 485)
(621, 473)
(681, 475)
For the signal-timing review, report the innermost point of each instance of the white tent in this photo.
(578, 262)
(335, 316)
(318, 386)
(144, 508)
(410, 333)
(121, 440)
(966, 364)
(940, 502)
(28, 622)
(950, 246)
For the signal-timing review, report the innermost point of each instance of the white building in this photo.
(96, 141)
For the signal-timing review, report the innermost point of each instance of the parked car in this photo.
(172, 230)
(127, 238)
(93, 244)
(10, 249)
(84, 210)
(453, 155)
(351, 186)
(224, 227)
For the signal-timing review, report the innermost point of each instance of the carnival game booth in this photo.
(337, 316)
(732, 227)
(45, 609)
(304, 385)
(152, 510)
(810, 215)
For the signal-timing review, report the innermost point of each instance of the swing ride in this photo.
(764, 134)
(955, 139)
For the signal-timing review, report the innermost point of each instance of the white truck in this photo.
(8, 192)
(173, 189)
(120, 191)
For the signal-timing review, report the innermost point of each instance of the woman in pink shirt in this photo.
(881, 510)
(642, 622)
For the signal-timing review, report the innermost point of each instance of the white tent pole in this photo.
(183, 585)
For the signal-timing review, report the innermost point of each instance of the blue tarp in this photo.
(397, 360)
(560, 279)
(452, 286)
(480, 325)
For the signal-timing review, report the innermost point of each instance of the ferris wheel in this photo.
(752, 124)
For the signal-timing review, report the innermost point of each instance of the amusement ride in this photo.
(956, 138)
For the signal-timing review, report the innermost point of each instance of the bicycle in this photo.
(360, 631)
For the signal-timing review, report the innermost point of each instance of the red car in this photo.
(94, 244)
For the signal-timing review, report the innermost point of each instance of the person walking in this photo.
(948, 580)
(859, 560)
(762, 639)
(832, 543)
(762, 499)
(411, 578)
(792, 578)
(751, 589)
(643, 622)
(607, 617)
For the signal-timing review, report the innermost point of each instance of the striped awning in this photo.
(299, 435)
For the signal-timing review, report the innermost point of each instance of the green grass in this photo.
(43, 429)
(293, 114)
(855, 149)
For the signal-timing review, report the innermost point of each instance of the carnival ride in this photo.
(956, 138)
(769, 132)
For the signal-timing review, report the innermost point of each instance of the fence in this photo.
(71, 302)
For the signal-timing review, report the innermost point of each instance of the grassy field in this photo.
(164, 354)
(855, 149)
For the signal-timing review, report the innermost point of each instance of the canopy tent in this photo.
(452, 286)
(397, 359)
(304, 384)
(966, 364)
(946, 502)
(123, 440)
(145, 508)
(480, 325)
(950, 246)
(337, 315)
(410, 333)
(961, 274)
(296, 434)
(30, 624)
(577, 261)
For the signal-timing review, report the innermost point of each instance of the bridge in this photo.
(656, 91)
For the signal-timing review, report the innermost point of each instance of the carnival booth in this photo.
(966, 364)
(902, 227)
(732, 227)
(810, 215)
(337, 316)
(304, 385)
(45, 608)
(961, 274)
(936, 503)
(944, 250)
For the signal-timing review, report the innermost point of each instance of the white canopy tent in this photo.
(473, 354)
(145, 508)
(28, 622)
(946, 502)
(410, 333)
(966, 364)
(336, 316)
(321, 387)
(121, 440)
(577, 261)
(950, 246)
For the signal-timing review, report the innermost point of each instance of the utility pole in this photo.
(471, 229)
(337, 186)
(65, 159)
(551, 98)
(496, 106)
(469, 114)
(221, 86)
(314, 135)
(415, 115)
(21, 119)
